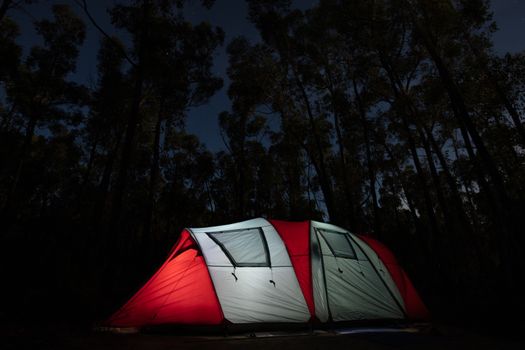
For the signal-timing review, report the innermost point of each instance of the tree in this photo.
(162, 43)
(39, 92)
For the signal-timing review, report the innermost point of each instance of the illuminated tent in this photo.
(261, 271)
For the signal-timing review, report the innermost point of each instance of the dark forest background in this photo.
(393, 118)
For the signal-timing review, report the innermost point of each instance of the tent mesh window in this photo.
(244, 248)
(339, 244)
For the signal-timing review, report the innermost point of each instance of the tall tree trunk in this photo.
(451, 182)
(422, 181)
(241, 170)
(354, 212)
(322, 174)
(115, 247)
(370, 170)
(105, 181)
(22, 158)
(397, 170)
(153, 180)
(211, 203)
(87, 173)
(100, 205)
(467, 185)
(372, 180)
(127, 153)
(435, 180)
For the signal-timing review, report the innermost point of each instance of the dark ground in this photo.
(439, 337)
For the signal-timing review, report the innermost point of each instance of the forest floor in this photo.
(440, 337)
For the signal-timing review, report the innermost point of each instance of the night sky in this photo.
(231, 16)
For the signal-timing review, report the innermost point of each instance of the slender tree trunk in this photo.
(22, 158)
(81, 203)
(209, 194)
(293, 181)
(104, 185)
(467, 185)
(443, 164)
(435, 180)
(241, 170)
(354, 212)
(397, 170)
(154, 179)
(372, 181)
(324, 181)
(126, 157)
(108, 170)
(87, 173)
(370, 170)
(421, 179)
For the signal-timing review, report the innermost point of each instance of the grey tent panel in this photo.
(252, 273)
(318, 279)
(352, 286)
(357, 292)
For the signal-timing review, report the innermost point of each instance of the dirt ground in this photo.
(437, 338)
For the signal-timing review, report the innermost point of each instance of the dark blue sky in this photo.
(231, 16)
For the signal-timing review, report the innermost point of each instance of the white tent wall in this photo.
(351, 289)
(382, 269)
(252, 294)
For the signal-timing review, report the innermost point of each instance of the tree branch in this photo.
(84, 6)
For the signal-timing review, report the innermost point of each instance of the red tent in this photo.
(260, 271)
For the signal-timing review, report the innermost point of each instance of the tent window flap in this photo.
(339, 244)
(244, 248)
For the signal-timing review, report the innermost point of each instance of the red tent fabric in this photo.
(296, 238)
(181, 292)
(414, 306)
